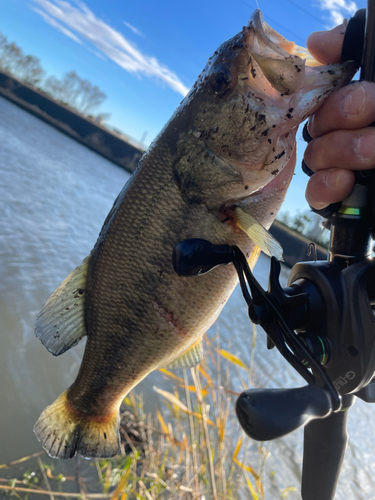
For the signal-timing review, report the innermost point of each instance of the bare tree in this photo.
(71, 90)
(75, 92)
(91, 97)
(10, 57)
(12, 61)
(53, 86)
(30, 70)
(3, 43)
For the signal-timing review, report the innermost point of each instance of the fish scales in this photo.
(218, 171)
(156, 319)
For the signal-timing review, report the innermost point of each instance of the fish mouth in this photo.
(276, 43)
(280, 84)
(278, 67)
(285, 66)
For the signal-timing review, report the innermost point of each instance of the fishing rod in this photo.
(323, 322)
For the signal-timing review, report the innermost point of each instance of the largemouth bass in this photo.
(216, 172)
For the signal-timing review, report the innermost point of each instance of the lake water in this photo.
(54, 197)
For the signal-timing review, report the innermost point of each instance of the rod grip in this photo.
(324, 448)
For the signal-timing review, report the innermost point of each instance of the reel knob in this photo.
(196, 256)
(266, 414)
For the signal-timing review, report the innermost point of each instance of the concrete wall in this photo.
(110, 145)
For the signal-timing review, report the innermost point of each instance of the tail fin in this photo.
(64, 432)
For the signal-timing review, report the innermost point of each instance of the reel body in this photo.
(344, 341)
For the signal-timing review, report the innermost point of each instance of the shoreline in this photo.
(114, 147)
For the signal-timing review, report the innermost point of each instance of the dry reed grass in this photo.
(193, 449)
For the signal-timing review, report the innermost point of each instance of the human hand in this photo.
(342, 141)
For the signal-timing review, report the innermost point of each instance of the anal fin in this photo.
(189, 358)
(61, 323)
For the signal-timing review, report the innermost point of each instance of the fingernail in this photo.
(354, 101)
(321, 36)
(310, 125)
(318, 205)
(332, 178)
(343, 26)
(364, 147)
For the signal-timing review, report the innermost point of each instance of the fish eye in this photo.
(221, 80)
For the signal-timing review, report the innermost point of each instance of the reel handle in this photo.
(196, 256)
(266, 414)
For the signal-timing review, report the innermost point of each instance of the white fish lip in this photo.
(276, 43)
(288, 67)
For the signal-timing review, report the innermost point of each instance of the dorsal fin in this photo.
(60, 324)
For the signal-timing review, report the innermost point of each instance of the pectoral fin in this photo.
(188, 359)
(256, 232)
(61, 323)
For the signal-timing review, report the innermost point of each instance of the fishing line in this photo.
(306, 12)
(282, 26)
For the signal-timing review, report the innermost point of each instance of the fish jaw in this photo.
(264, 204)
(250, 98)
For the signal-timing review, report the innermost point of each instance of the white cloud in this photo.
(338, 9)
(79, 21)
(48, 19)
(133, 28)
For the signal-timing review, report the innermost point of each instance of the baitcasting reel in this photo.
(323, 322)
(324, 326)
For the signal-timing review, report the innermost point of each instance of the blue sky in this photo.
(146, 55)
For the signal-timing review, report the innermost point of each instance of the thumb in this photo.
(325, 46)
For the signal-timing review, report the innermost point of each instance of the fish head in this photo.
(250, 98)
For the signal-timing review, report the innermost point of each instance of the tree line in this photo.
(71, 90)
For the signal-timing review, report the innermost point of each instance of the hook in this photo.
(312, 248)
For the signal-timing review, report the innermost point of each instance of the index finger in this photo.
(349, 108)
